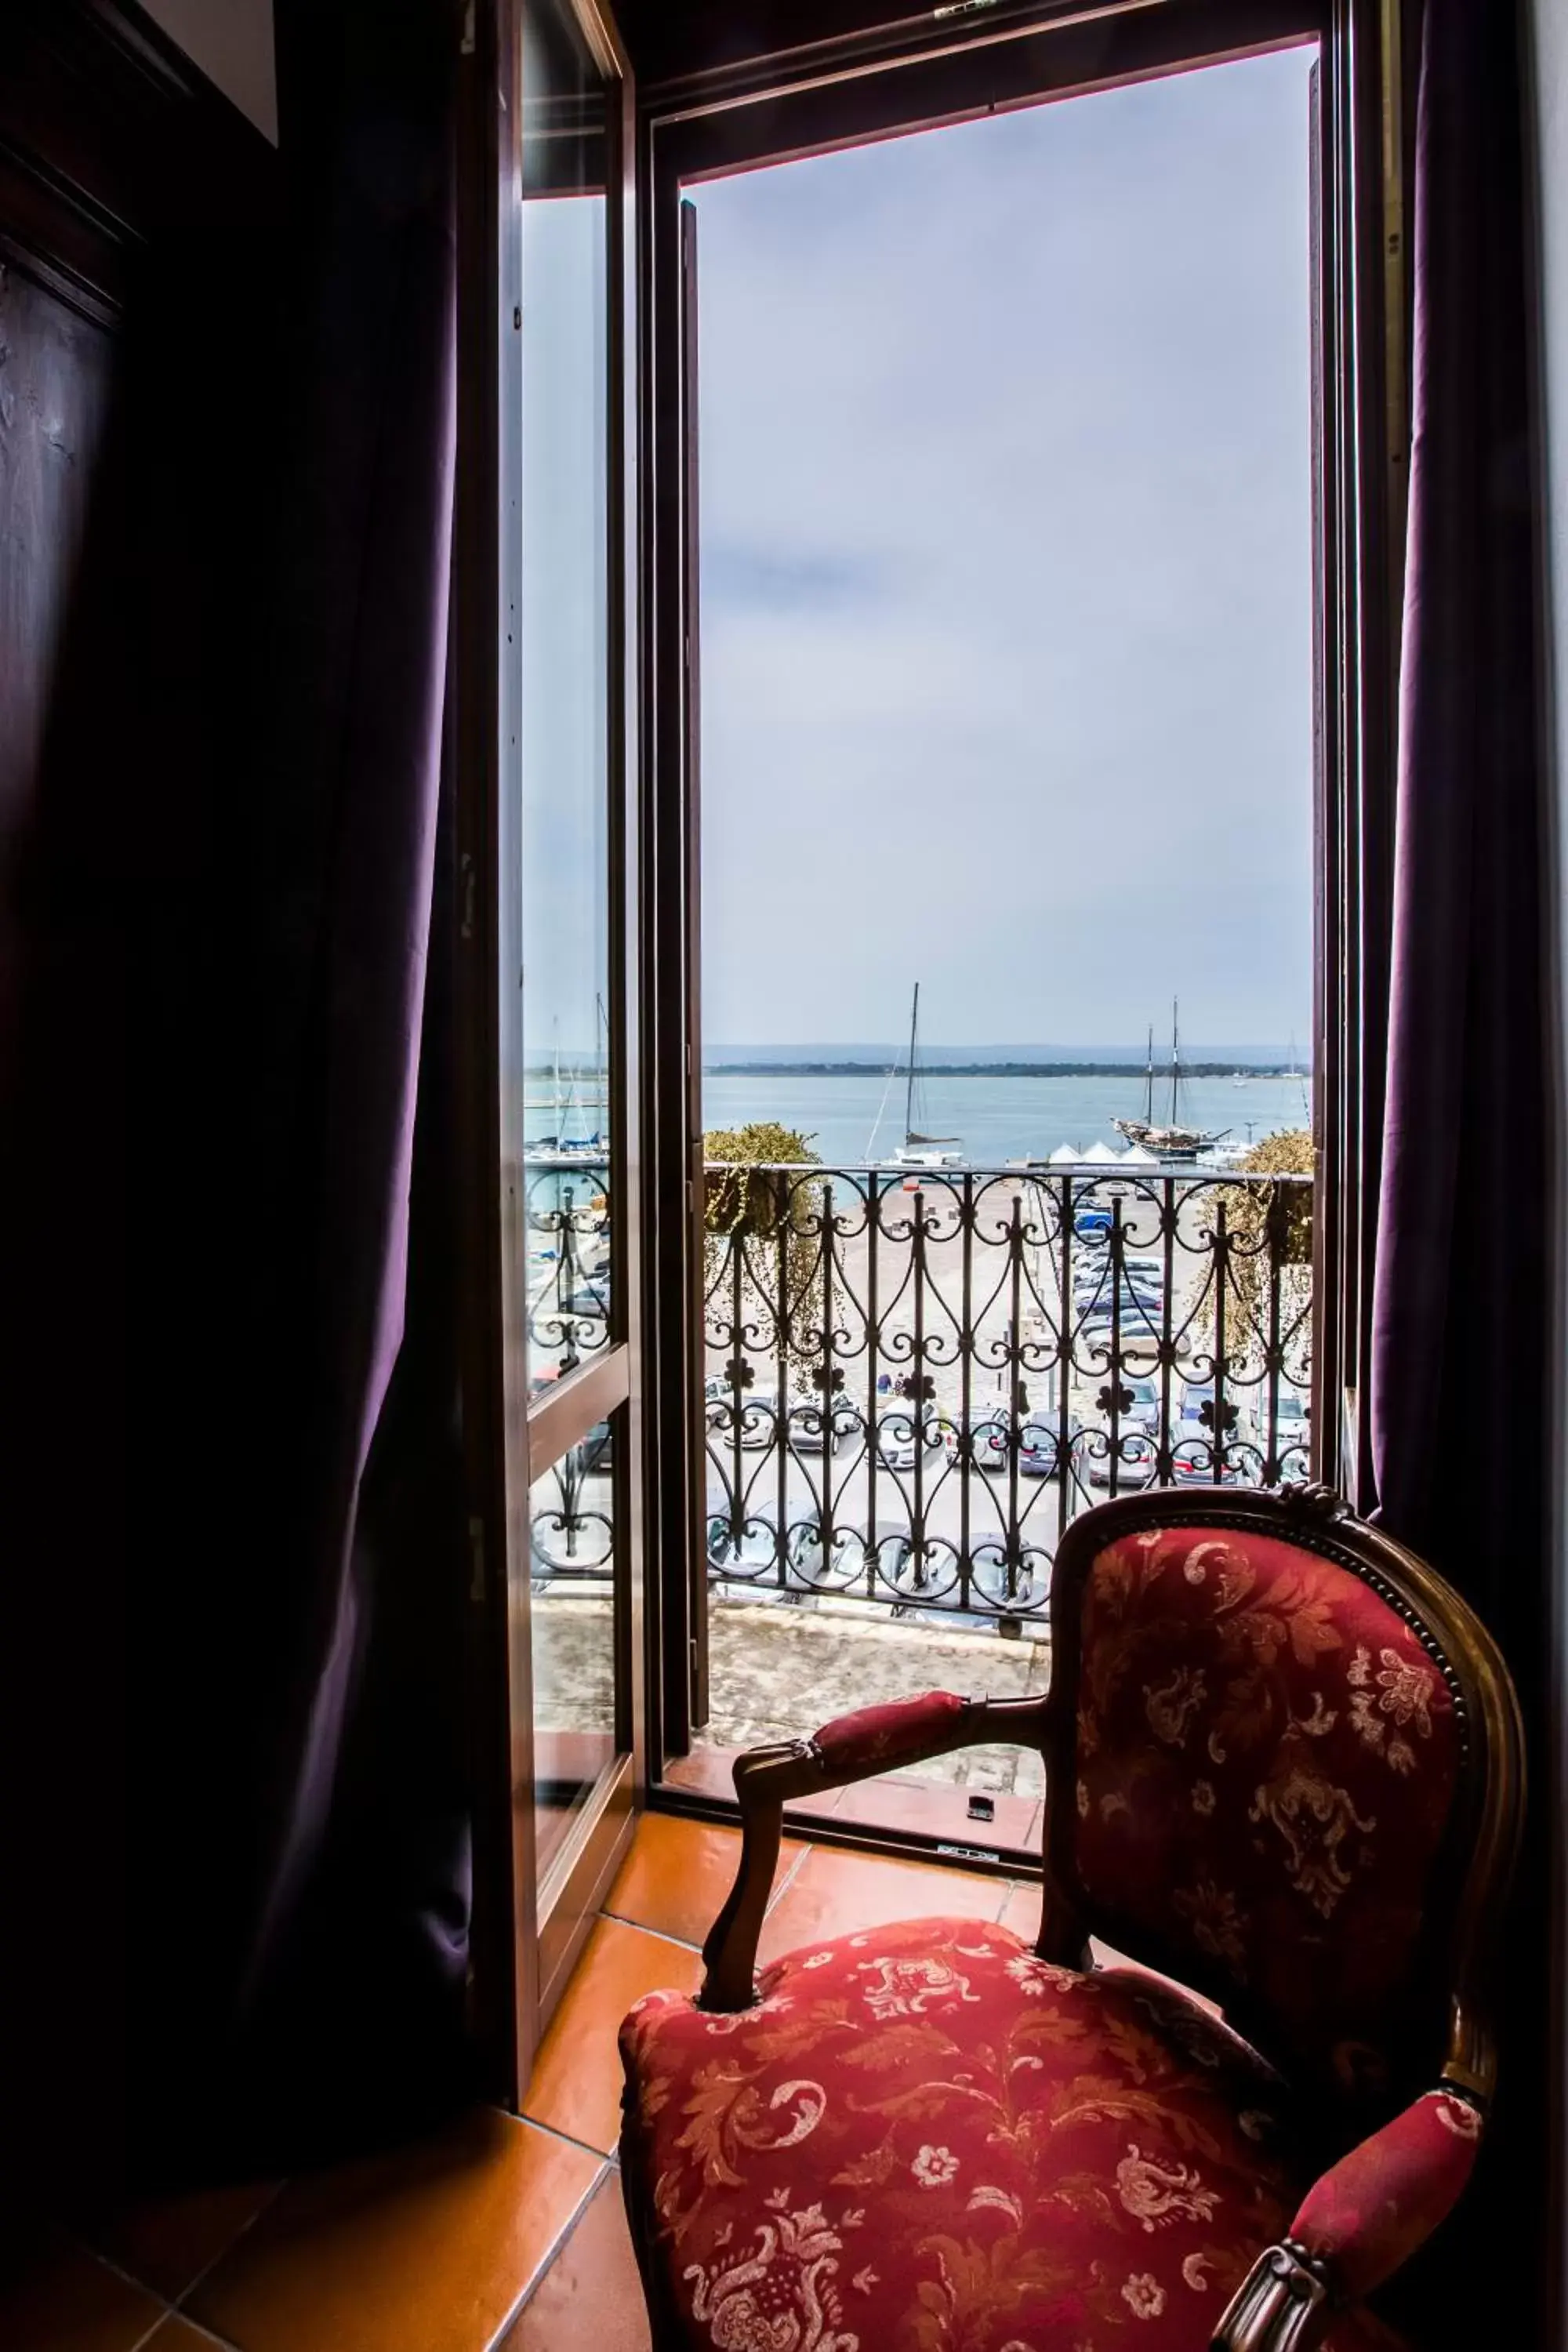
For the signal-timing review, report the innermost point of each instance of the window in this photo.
(769, 868)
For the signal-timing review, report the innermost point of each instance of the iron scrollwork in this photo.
(914, 1382)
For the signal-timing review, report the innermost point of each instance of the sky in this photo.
(1006, 576)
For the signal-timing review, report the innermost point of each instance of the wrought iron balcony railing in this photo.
(914, 1381)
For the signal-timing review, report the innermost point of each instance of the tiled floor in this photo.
(501, 2234)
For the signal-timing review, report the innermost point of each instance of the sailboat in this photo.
(1301, 1077)
(577, 1096)
(918, 1151)
(1173, 1141)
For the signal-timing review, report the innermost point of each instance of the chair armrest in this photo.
(851, 1747)
(876, 1738)
(1356, 2226)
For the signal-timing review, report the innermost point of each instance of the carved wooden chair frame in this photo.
(1284, 2302)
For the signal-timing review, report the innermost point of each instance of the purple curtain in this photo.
(1460, 1295)
(1457, 1337)
(237, 1809)
(341, 1963)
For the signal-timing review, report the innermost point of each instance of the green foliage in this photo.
(745, 1204)
(1268, 1222)
(738, 1201)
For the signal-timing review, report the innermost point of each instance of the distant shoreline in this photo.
(995, 1070)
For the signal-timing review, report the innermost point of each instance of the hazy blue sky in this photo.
(1006, 576)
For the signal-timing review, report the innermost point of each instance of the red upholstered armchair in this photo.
(1283, 1767)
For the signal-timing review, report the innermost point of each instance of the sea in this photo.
(853, 1117)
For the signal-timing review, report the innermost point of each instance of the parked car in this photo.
(747, 1550)
(896, 1434)
(809, 1420)
(1135, 1309)
(759, 1418)
(849, 1555)
(1091, 1268)
(1037, 1445)
(986, 1438)
(1293, 1419)
(1195, 1395)
(1134, 1458)
(1196, 1458)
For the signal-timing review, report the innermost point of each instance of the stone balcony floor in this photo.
(777, 1671)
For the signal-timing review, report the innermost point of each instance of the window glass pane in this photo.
(572, 1533)
(564, 740)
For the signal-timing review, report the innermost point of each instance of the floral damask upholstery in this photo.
(1266, 1761)
(1283, 1767)
(925, 2139)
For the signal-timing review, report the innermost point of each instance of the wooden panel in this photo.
(120, 124)
(566, 1413)
(108, 138)
(54, 392)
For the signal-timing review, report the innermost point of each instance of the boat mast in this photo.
(1174, 1066)
(909, 1089)
(1149, 1106)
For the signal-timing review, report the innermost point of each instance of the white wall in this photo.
(231, 40)
(1548, 22)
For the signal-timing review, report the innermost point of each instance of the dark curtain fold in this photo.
(237, 1809)
(342, 1964)
(352, 1926)
(1460, 1295)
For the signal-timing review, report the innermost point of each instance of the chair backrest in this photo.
(1286, 1767)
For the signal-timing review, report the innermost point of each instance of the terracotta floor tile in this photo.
(939, 1812)
(168, 2241)
(1021, 1912)
(834, 1893)
(801, 1812)
(70, 2302)
(590, 2299)
(711, 1772)
(430, 2246)
(707, 1770)
(576, 2085)
(679, 1872)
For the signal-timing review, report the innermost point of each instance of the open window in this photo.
(885, 1374)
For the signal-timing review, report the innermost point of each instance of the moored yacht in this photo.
(1171, 1141)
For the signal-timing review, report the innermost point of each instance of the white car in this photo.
(896, 1435)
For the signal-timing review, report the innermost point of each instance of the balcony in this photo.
(913, 1382)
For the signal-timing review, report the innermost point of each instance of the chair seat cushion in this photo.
(924, 2139)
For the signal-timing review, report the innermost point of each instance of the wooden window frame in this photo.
(523, 1946)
